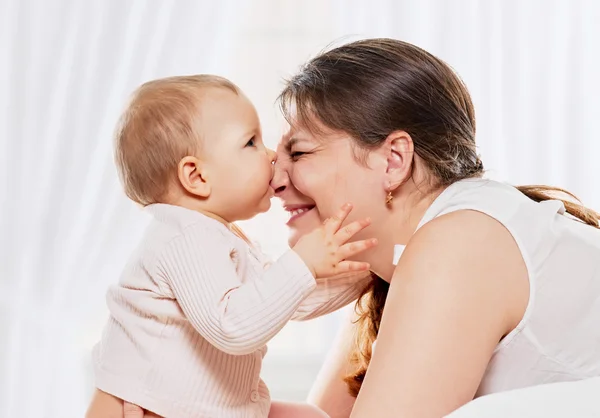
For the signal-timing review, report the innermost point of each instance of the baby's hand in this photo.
(325, 250)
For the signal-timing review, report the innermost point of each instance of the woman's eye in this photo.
(251, 143)
(295, 155)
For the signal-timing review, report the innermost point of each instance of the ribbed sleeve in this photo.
(236, 317)
(332, 294)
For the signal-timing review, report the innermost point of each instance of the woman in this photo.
(497, 287)
(493, 291)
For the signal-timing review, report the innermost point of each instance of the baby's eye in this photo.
(251, 142)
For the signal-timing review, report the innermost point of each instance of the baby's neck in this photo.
(197, 206)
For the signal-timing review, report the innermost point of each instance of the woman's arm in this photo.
(459, 287)
(330, 392)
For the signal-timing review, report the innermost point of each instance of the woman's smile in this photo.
(296, 211)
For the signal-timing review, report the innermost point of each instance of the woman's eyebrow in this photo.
(290, 143)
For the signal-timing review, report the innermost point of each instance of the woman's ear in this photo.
(400, 153)
(192, 176)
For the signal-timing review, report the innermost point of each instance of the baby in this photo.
(197, 303)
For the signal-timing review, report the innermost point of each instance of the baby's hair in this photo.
(160, 127)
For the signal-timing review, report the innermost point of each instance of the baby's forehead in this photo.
(208, 95)
(227, 103)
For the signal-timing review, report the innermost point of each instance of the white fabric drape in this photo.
(66, 70)
(531, 66)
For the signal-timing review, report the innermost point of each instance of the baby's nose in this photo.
(272, 155)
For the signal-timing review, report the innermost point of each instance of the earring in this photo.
(389, 198)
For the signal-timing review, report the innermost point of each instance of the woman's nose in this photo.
(280, 179)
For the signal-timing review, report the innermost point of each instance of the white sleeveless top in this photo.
(558, 338)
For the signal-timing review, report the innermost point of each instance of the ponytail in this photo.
(575, 209)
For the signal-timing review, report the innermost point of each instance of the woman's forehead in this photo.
(314, 132)
(286, 136)
(306, 126)
(292, 135)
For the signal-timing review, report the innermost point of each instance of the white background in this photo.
(67, 66)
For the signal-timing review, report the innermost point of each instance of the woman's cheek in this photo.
(301, 179)
(321, 187)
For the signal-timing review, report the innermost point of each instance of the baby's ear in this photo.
(190, 174)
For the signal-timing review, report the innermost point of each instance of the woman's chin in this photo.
(302, 225)
(295, 235)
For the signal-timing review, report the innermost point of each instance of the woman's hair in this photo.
(371, 88)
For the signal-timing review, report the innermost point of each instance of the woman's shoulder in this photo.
(469, 213)
(472, 259)
(464, 230)
(503, 205)
(471, 242)
(453, 296)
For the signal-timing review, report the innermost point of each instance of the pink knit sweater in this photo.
(193, 312)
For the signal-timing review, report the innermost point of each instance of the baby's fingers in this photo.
(132, 411)
(347, 232)
(349, 266)
(353, 248)
(333, 224)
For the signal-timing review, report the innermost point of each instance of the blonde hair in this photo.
(159, 128)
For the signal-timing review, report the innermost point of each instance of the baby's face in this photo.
(240, 167)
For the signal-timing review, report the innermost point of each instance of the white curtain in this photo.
(67, 67)
(532, 68)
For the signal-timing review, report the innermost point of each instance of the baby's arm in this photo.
(240, 316)
(237, 318)
(332, 294)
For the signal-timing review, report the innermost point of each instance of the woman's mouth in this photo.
(296, 212)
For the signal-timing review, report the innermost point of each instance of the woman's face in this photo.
(315, 174)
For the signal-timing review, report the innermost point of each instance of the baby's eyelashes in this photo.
(251, 142)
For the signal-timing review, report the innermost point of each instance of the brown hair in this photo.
(157, 130)
(371, 88)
